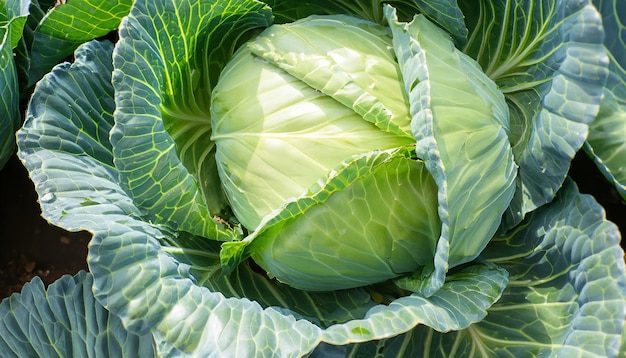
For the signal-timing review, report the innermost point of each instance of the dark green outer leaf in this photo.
(285, 11)
(572, 280)
(13, 14)
(56, 130)
(83, 20)
(64, 145)
(66, 26)
(446, 13)
(22, 51)
(10, 118)
(45, 53)
(548, 59)
(169, 55)
(614, 21)
(606, 143)
(65, 321)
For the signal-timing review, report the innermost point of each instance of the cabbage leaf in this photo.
(445, 13)
(548, 59)
(13, 16)
(460, 122)
(606, 143)
(565, 295)
(62, 28)
(65, 320)
(166, 65)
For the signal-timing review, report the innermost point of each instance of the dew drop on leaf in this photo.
(48, 198)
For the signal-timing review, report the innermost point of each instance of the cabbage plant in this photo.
(35, 36)
(342, 178)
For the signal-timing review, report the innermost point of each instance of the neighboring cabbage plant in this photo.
(606, 144)
(344, 178)
(34, 37)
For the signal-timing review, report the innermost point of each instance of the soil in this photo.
(590, 181)
(32, 247)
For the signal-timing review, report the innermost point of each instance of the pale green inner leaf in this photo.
(381, 225)
(355, 66)
(283, 138)
(460, 121)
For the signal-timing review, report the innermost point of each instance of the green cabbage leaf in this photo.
(13, 16)
(445, 13)
(459, 120)
(605, 143)
(36, 35)
(65, 320)
(548, 59)
(58, 30)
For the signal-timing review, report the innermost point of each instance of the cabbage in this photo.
(322, 124)
(373, 180)
(308, 122)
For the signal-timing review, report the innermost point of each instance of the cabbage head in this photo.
(314, 149)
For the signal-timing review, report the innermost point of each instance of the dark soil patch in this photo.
(30, 245)
(590, 181)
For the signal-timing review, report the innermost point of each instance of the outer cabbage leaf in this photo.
(566, 295)
(13, 16)
(445, 13)
(65, 146)
(547, 57)
(247, 281)
(64, 27)
(22, 51)
(163, 282)
(65, 321)
(606, 143)
(460, 122)
(166, 62)
(10, 118)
